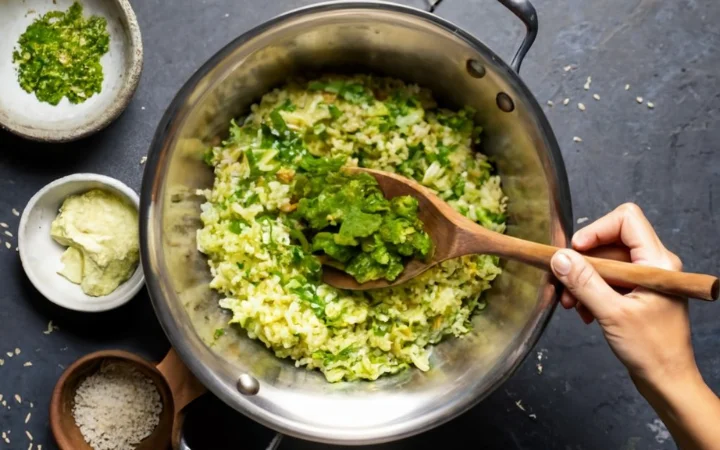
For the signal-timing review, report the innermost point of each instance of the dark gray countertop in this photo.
(663, 159)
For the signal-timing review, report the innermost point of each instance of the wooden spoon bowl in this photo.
(455, 235)
(175, 384)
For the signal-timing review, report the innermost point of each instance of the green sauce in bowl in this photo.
(59, 56)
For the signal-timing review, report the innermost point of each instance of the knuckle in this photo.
(630, 209)
(624, 313)
(675, 261)
(583, 277)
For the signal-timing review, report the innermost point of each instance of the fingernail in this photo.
(561, 264)
(578, 240)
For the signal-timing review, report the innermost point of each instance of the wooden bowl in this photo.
(66, 432)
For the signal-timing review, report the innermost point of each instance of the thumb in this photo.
(583, 282)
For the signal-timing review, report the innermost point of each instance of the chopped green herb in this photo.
(457, 121)
(329, 357)
(253, 199)
(300, 237)
(308, 294)
(334, 111)
(288, 144)
(459, 187)
(351, 221)
(288, 106)
(59, 56)
(487, 218)
(278, 122)
(208, 156)
(352, 92)
(220, 332)
(236, 226)
(320, 166)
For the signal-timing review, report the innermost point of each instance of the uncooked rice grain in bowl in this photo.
(116, 407)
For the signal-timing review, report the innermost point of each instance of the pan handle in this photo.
(525, 11)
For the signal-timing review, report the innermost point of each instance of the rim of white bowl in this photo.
(104, 303)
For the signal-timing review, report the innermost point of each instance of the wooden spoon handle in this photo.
(683, 284)
(616, 273)
(184, 387)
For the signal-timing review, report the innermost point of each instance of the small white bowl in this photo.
(23, 114)
(40, 254)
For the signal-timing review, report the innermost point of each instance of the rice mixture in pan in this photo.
(262, 264)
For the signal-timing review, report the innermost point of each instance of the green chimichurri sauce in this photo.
(366, 235)
(59, 56)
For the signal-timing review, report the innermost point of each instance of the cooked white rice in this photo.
(344, 334)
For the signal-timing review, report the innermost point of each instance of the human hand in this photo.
(648, 331)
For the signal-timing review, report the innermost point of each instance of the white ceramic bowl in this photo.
(40, 254)
(23, 114)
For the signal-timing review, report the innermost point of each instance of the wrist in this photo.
(687, 406)
(665, 389)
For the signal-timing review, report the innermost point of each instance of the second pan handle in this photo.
(525, 11)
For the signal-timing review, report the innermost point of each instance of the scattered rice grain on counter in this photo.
(581, 106)
(51, 328)
(270, 282)
(639, 100)
(587, 84)
(16, 212)
(117, 407)
(566, 101)
(4, 225)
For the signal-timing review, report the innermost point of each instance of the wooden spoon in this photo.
(455, 235)
(176, 385)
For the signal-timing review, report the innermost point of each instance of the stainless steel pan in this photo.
(388, 39)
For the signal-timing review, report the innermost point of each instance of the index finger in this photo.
(626, 224)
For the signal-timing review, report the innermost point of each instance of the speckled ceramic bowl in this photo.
(23, 114)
